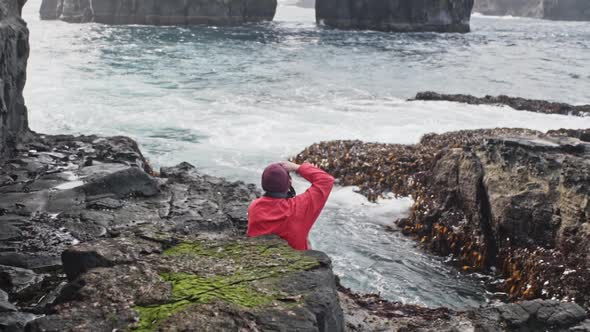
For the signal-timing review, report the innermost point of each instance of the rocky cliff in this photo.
(14, 47)
(575, 10)
(512, 201)
(396, 15)
(155, 12)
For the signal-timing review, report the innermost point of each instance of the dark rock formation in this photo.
(521, 104)
(396, 15)
(572, 10)
(14, 47)
(191, 284)
(510, 200)
(49, 9)
(155, 12)
(371, 313)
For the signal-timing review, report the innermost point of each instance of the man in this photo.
(282, 213)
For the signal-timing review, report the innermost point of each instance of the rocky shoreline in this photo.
(92, 238)
(520, 104)
(80, 214)
(510, 202)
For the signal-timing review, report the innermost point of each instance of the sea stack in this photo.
(14, 37)
(572, 10)
(567, 10)
(154, 12)
(396, 15)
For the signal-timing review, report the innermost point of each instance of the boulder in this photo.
(14, 46)
(396, 15)
(154, 12)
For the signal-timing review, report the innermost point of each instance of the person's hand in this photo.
(289, 166)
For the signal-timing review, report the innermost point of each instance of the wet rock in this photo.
(396, 15)
(131, 181)
(15, 321)
(49, 299)
(15, 279)
(257, 283)
(35, 261)
(14, 37)
(566, 314)
(150, 12)
(520, 104)
(582, 327)
(105, 253)
(5, 305)
(514, 314)
(105, 203)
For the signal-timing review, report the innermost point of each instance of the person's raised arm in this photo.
(314, 199)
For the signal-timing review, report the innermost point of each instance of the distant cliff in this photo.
(14, 44)
(396, 15)
(575, 10)
(155, 12)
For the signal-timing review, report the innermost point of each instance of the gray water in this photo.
(231, 100)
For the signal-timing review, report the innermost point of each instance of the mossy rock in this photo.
(251, 271)
(238, 283)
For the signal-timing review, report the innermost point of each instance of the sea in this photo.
(231, 100)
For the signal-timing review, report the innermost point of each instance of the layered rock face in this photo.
(575, 10)
(510, 200)
(396, 15)
(155, 12)
(14, 47)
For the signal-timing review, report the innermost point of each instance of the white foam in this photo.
(69, 185)
(505, 17)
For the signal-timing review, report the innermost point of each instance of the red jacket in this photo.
(292, 218)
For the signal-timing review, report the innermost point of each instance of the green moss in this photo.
(189, 287)
(252, 262)
(150, 316)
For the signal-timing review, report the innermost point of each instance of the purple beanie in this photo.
(275, 178)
